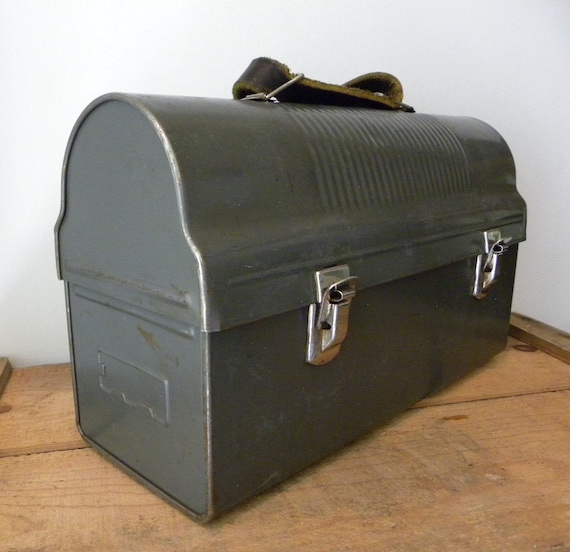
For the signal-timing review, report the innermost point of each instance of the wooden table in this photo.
(482, 466)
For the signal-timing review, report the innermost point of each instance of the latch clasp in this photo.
(328, 317)
(487, 264)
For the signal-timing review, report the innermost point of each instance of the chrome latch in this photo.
(328, 317)
(487, 264)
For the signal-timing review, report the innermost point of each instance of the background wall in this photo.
(506, 62)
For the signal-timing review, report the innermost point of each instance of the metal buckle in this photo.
(487, 264)
(263, 97)
(328, 318)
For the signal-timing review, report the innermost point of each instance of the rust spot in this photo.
(524, 348)
(149, 338)
(4, 408)
(455, 417)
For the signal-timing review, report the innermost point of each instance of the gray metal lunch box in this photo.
(251, 286)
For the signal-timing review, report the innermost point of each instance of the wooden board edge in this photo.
(442, 401)
(5, 371)
(77, 444)
(540, 335)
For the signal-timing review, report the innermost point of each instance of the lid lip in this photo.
(377, 251)
(373, 268)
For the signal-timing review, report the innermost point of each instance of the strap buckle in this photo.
(263, 97)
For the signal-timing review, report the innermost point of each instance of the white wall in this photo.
(506, 62)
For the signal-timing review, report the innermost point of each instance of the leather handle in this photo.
(264, 76)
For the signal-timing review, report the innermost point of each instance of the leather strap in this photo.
(268, 79)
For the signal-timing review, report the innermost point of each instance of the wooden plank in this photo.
(519, 370)
(5, 371)
(37, 412)
(542, 336)
(489, 475)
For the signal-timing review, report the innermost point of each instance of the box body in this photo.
(189, 238)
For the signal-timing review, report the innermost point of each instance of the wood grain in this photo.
(450, 477)
(38, 412)
(475, 472)
(542, 336)
(5, 371)
(519, 370)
